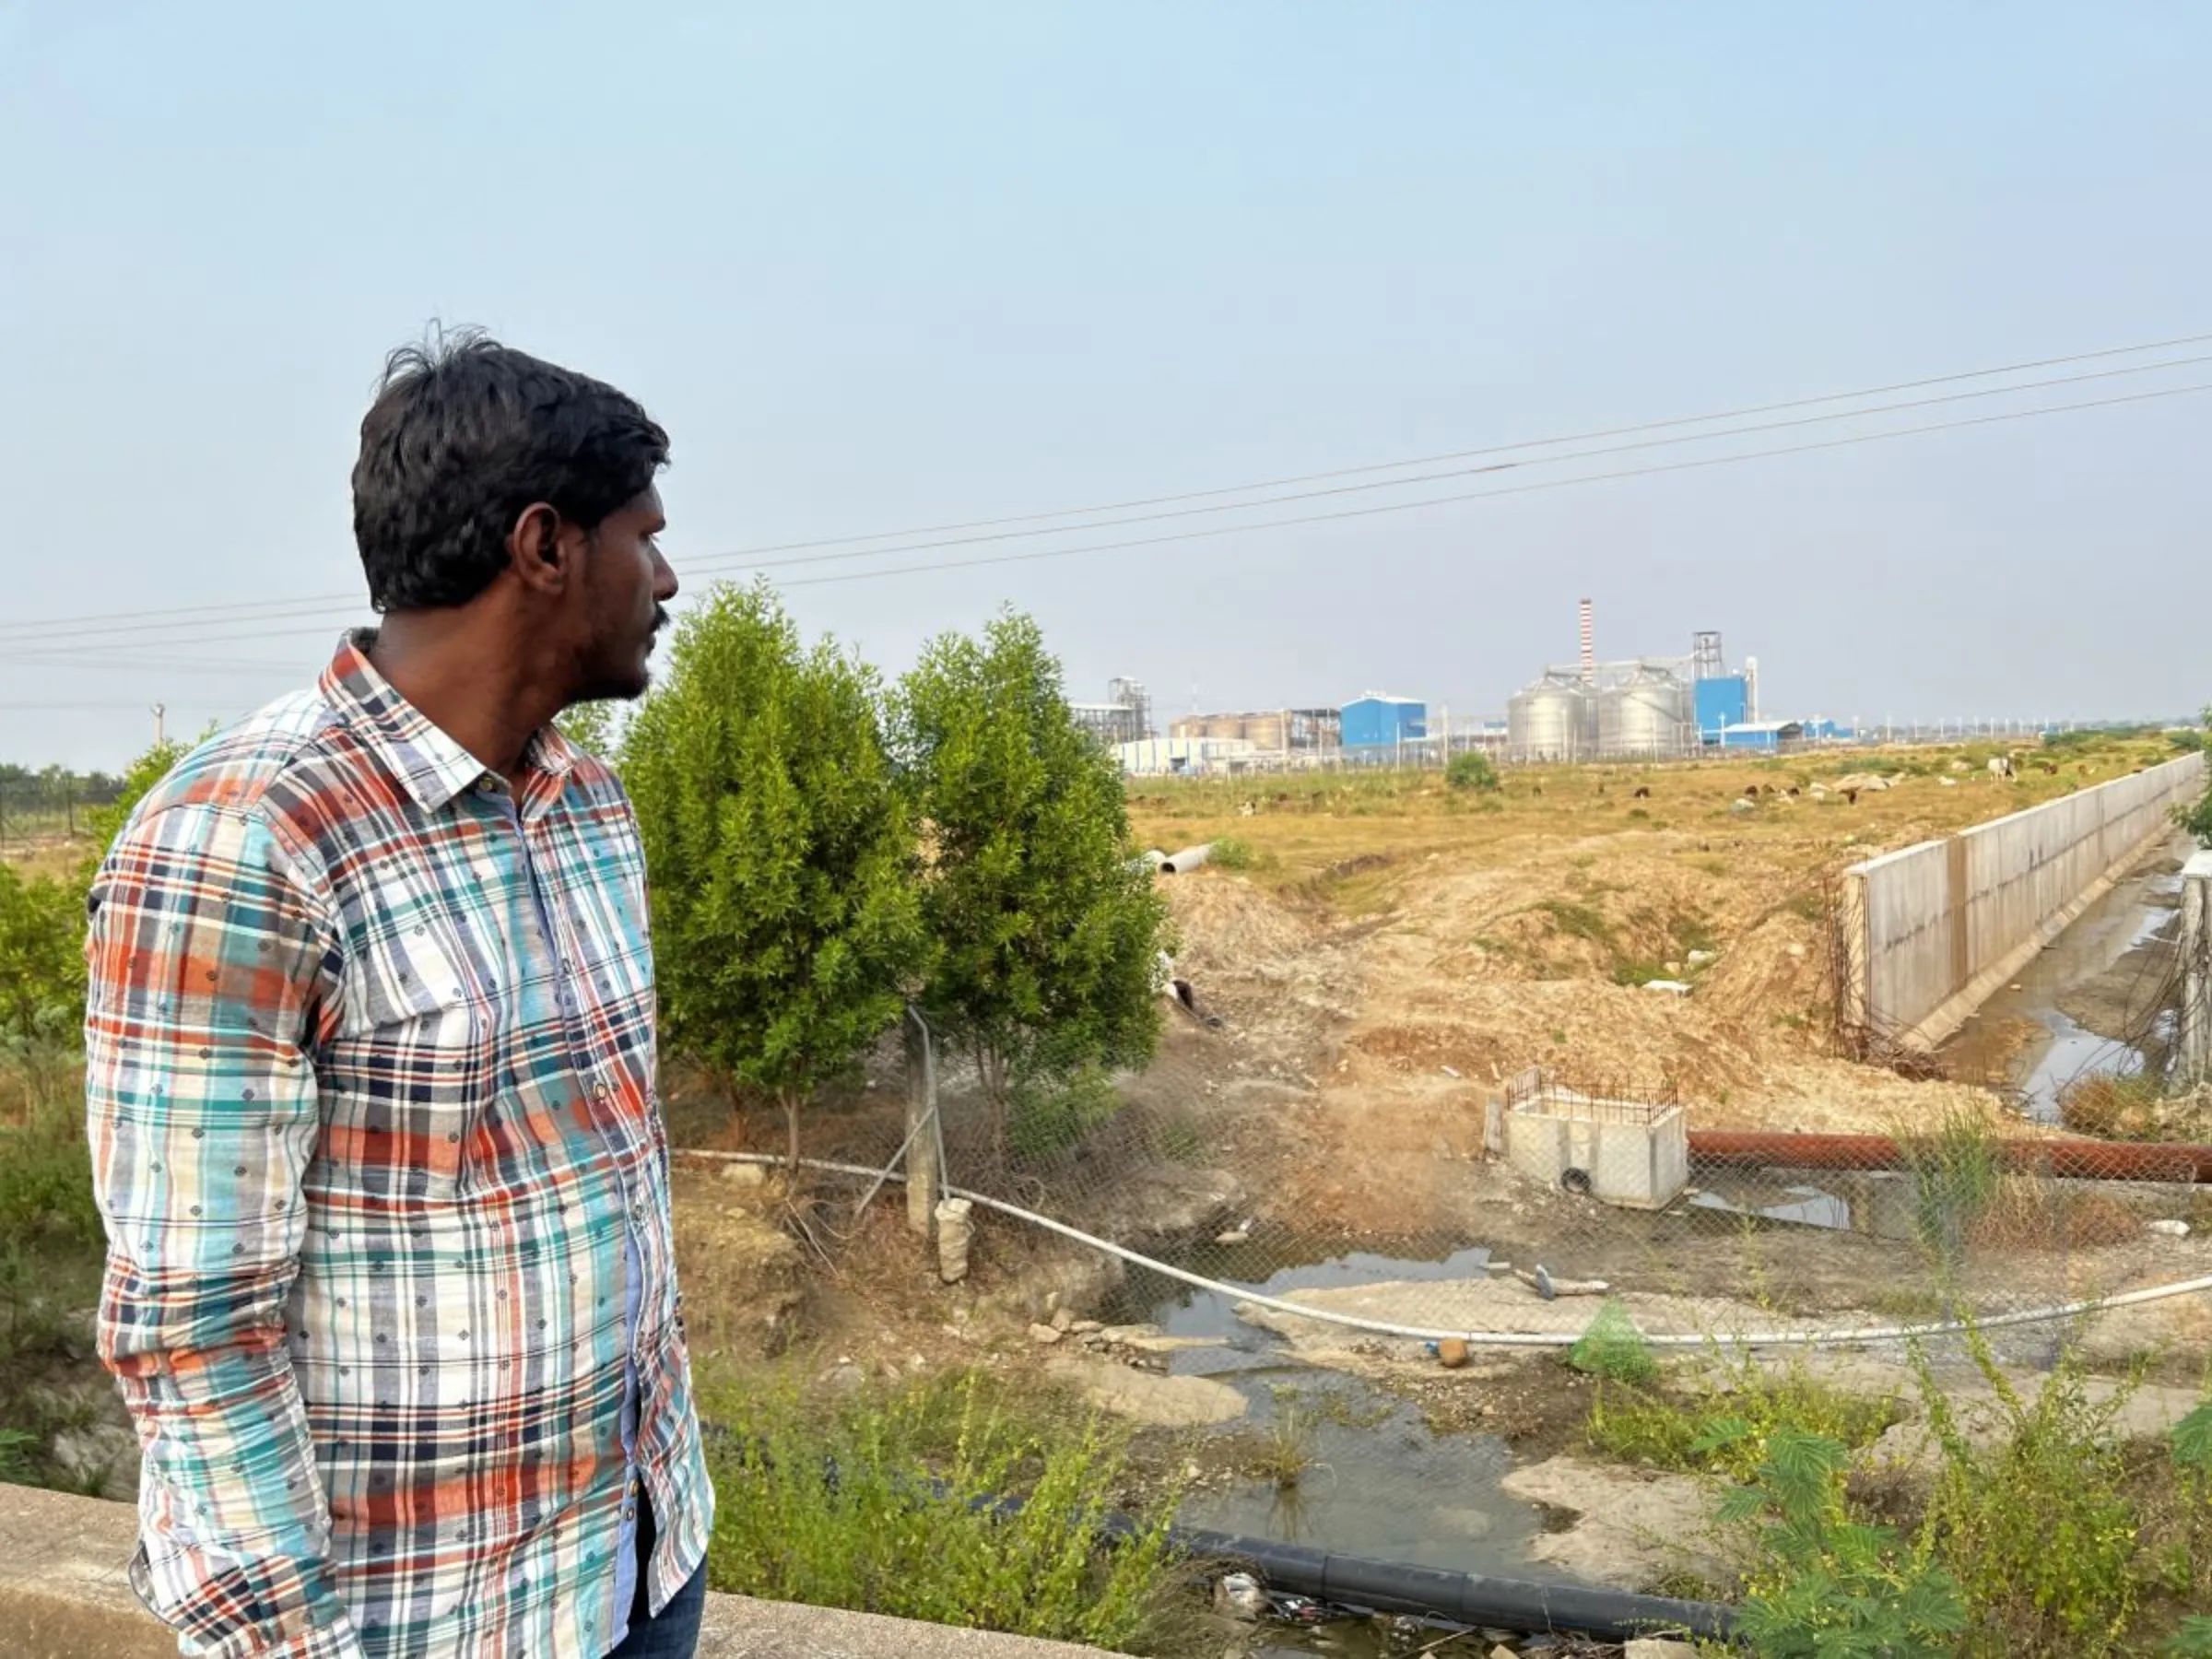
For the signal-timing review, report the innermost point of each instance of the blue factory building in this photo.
(1722, 702)
(1379, 722)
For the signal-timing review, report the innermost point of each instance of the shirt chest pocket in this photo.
(416, 1064)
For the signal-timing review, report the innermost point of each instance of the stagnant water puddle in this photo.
(2110, 955)
(1378, 1482)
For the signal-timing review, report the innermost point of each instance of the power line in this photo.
(1849, 440)
(108, 662)
(69, 708)
(741, 561)
(275, 609)
(1503, 449)
(1481, 495)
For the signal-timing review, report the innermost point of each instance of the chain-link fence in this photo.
(1408, 1291)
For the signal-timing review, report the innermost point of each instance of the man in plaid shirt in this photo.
(390, 1289)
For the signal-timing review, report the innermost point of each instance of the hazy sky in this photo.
(884, 265)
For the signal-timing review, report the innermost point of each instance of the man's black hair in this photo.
(463, 434)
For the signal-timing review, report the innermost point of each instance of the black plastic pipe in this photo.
(1467, 1598)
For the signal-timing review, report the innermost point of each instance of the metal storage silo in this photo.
(1648, 715)
(1550, 720)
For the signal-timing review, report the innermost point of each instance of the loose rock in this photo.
(1045, 1335)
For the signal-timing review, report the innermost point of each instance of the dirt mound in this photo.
(1774, 968)
(1230, 926)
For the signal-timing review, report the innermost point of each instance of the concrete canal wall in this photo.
(1931, 931)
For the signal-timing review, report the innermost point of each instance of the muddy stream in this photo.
(2101, 997)
(1378, 1481)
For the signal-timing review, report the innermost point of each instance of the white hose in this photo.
(1849, 1334)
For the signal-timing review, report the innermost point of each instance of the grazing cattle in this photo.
(2048, 770)
(1641, 794)
(1852, 795)
(2000, 768)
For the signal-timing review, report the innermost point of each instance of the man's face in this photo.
(626, 585)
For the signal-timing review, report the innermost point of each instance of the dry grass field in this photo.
(1399, 947)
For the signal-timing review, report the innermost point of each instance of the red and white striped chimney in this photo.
(1589, 645)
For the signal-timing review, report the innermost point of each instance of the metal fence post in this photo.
(922, 1173)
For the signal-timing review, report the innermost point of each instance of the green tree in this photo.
(41, 964)
(591, 727)
(786, 924)
(1046, 928)
(42, 920)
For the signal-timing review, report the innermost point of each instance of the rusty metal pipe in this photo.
(2071, 1159)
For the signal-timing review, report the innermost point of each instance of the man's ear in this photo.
(542, 549)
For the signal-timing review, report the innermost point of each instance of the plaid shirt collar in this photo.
(434, 767)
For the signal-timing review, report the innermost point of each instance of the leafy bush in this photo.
(1472, 770)
(2197, 820)
(1231, 853)
(897, 1507)
(1053, 1108)
(42, 922)
(46, 1179)
(1613, 1347)
(15, 1466)
(1830, 1587)
(41, 961)
(2038, 1526)
(1726, 1424)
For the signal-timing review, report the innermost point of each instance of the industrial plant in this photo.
(1645, 708)
(1653, 708)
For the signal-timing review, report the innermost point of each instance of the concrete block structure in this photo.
(1631, 1153)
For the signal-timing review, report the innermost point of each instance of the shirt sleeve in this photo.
(206, 967)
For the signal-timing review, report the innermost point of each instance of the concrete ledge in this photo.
(63, 1595)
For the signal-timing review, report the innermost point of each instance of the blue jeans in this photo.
(674, 1634)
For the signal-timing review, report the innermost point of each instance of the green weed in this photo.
(1957, 1171)
(45, 1166)
(1829, 1586)
(1286, 1450)
(1054, 1111)
(1612, 1349)
(1474, 772)
(1231, 853)
(895, 1506)
(1729, 1418)
(2038, 1528)
(1578, 920)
